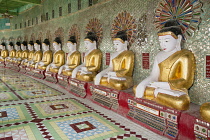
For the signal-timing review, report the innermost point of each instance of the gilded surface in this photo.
(4, 54)
(123, 65)
(24, 54)
(12, 53)
(73, 61)
(58, 60)
(93, 64)
(205, 111)
(47, 59)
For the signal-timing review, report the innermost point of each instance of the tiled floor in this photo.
(32, 109)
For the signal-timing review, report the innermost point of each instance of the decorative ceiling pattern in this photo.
(14, 6)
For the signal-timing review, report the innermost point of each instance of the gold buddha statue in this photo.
(37, 55)
(12, 52)
(119, 73)
(4, 52)
(58, 57)
(205, 111)
(173, 71)
(18, 52)
(30, 54)
(25, 51)
(92, 61)
(73, 58)
(47, 56)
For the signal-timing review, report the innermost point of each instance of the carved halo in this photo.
(11, 39)
(33, 37)
(40, 37)
(74, 31)
(186, 12)
(19, 38)
(95, 26)
(60, 33)
(49, 36)
(124, 22)
(26, 38)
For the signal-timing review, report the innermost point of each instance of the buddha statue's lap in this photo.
(37, 56)
(58, 57)
(119, 73)
(92, 60)
(73, 58)
(205, 111)
(12, 52)
(172, 74)
(47, 56)
(4, 52)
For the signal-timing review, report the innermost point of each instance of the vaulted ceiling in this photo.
(14, 6)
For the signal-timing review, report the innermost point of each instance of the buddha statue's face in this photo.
(45, 47)
(119, 46)
(168, 43)
(71, 46)
(17, 47)
(30, 47)
(89, 45)
(1, 47)
(23, 47)
(10, 47)
(56, 46)
(36, 46)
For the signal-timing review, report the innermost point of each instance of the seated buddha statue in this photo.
(37, 55)
(4, 52)
(173, 71)
(12, 52)
(119, 73)
(18, 52)
(92, 60)
(73, 58)
(25, 52)
(58, 57)
(47, 56)
(205, 111)
(30, 54)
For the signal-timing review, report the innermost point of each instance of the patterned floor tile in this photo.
(21, 132)
(7, 96)
(36, 93)
(3, 87)
(13, 114)
(59, 107)
(94, 127)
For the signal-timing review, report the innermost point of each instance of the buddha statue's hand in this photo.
(140, 90)
(161, 85)
(41, 63)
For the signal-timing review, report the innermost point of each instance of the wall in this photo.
(106, 11)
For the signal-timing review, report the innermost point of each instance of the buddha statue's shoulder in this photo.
(32, 51)
(48, 52)
(128, 52)
(60, 52)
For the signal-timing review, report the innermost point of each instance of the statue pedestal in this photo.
(51, 77)
(63, 81)
(158, 118)
(15, 66)
(22, 69)
(40, 74)
(2, 64)
(30, 71)
(77, 87)
(202, 130)
(104, 96)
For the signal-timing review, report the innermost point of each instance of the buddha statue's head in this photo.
(10, 46)
(3, 46)
(46, 45)
(57, 44)
(31, 46)
(170, 36)
(17, 46)
(90, 41)
(72, 44)
(24, 45)
(37, 45)
(120, 41)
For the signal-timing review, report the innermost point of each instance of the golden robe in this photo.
(123, 65)
(73, 61)
(58, 60)
(47, 59)
(93, 64)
